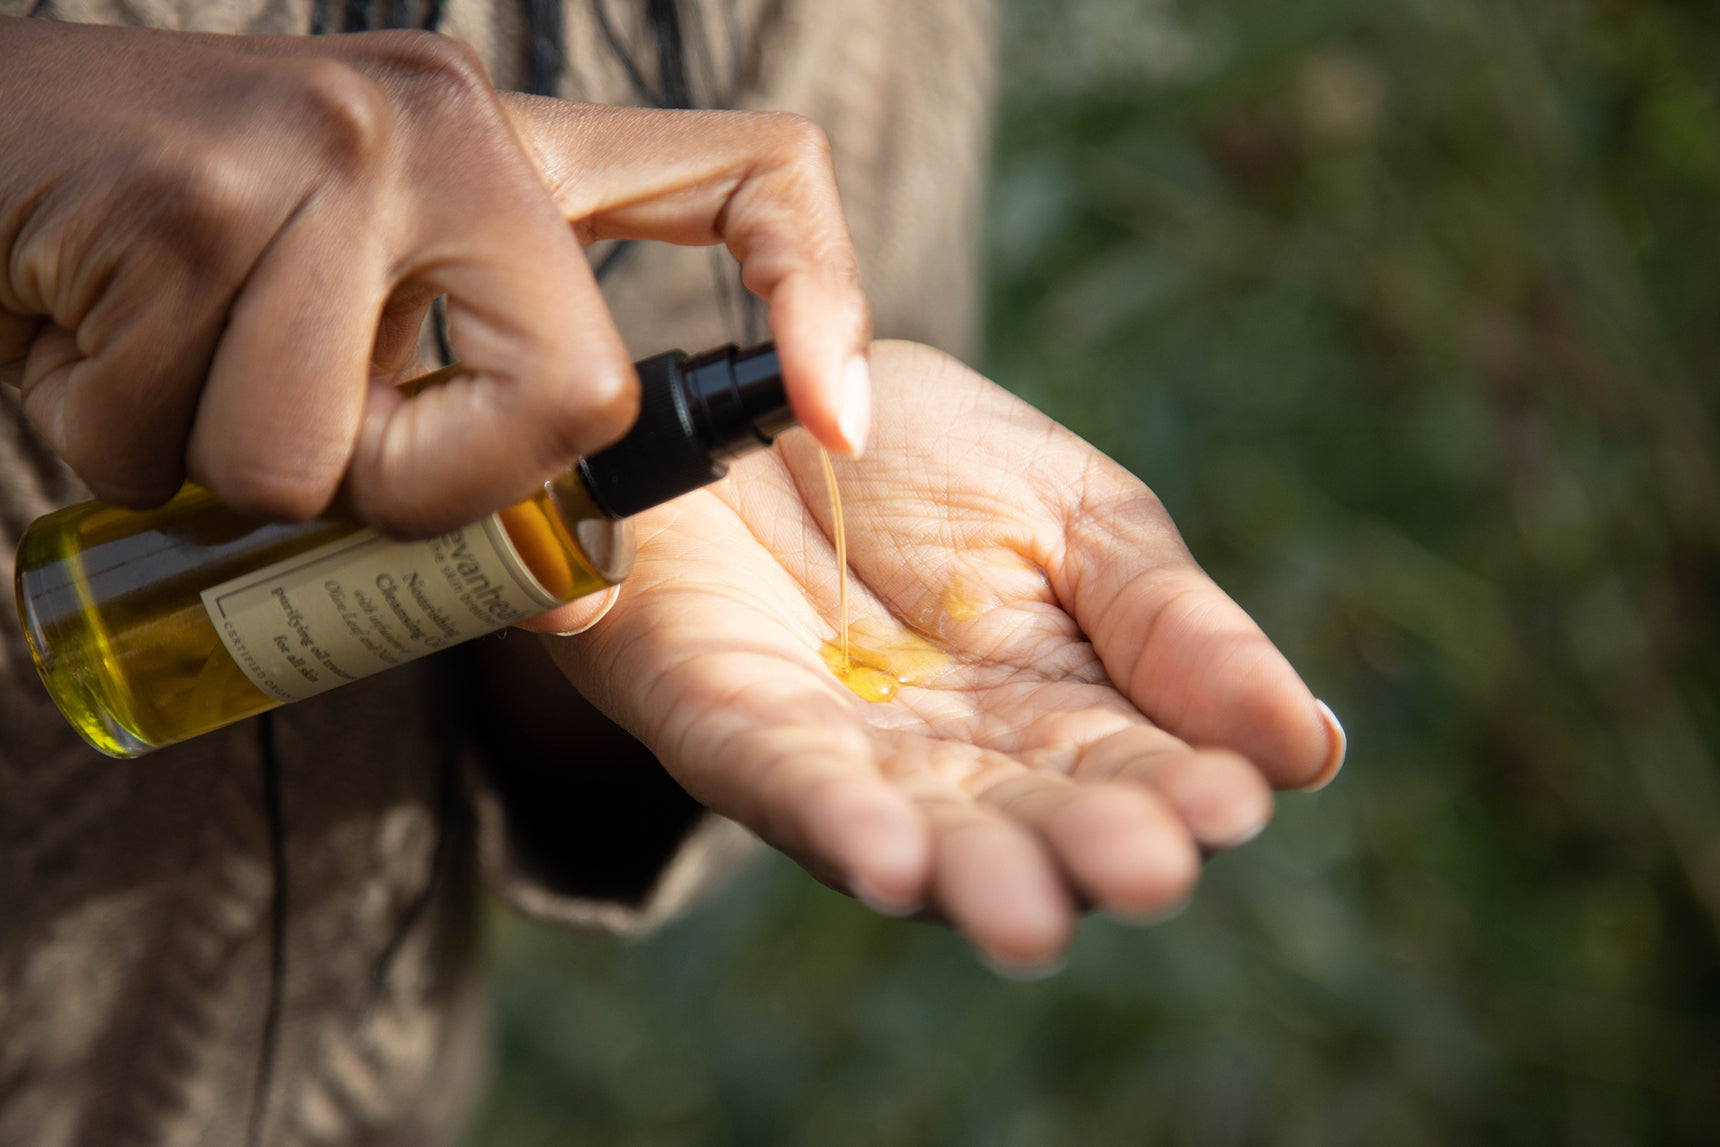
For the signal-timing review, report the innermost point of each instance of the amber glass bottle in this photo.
(155, 626)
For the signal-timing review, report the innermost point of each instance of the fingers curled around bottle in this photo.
(45, 376)
(116, 402)
(533, 400)
(286, 390)
(546, 377)
(17, 334)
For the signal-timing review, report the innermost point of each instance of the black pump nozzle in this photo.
(695, 416)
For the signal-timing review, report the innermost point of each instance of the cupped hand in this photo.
(216, 253)
(1096, 714)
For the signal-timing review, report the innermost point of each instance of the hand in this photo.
(216, 253)
(1105, 714)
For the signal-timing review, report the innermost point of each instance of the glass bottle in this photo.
(151, 627)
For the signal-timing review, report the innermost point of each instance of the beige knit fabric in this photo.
(139, 901)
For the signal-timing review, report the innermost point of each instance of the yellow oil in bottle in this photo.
(883, 659)
(112, 605)
(150, 628)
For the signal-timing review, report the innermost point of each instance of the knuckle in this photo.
(127, 442)
(387, 511)
(589, 410)
(449, 70)
(404, 500)
(347, 115)
(222, 192)
(800, 140)
(41, 270)
(274, 497)
(137, 488)
(135, 478)
(280, 491)
(200, 201)
(203, 215)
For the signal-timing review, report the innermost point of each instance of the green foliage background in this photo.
(1409, 311)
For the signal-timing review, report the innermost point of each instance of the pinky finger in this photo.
(1122, 847)
(997, 885)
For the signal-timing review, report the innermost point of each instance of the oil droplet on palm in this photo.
(881, 659)
(873, 661)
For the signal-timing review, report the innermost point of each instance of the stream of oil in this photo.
(882, 660)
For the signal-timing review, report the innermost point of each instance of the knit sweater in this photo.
(268, 935)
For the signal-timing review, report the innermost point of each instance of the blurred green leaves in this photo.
(1410, 311)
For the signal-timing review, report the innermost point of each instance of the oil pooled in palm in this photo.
(873, 660)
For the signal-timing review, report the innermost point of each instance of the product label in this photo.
(360, 605)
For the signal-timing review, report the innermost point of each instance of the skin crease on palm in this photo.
(1107, 713)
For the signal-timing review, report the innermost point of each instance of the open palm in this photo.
(1091, 713)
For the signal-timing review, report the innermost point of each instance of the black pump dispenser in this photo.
(695, 415)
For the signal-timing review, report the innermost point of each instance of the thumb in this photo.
(1187, 655)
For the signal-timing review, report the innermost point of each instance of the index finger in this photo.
(761, 183)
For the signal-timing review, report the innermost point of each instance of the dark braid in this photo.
(664, 17)
(358, 15)
(663, 20)
(545, 48)
(361, 16)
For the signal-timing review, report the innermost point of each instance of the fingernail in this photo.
(610, 597)
(1022, 973)
(883, 905)
(854, 420)
(1150, 918)
(1340, 745)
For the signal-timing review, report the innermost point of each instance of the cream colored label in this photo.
(360, 605)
